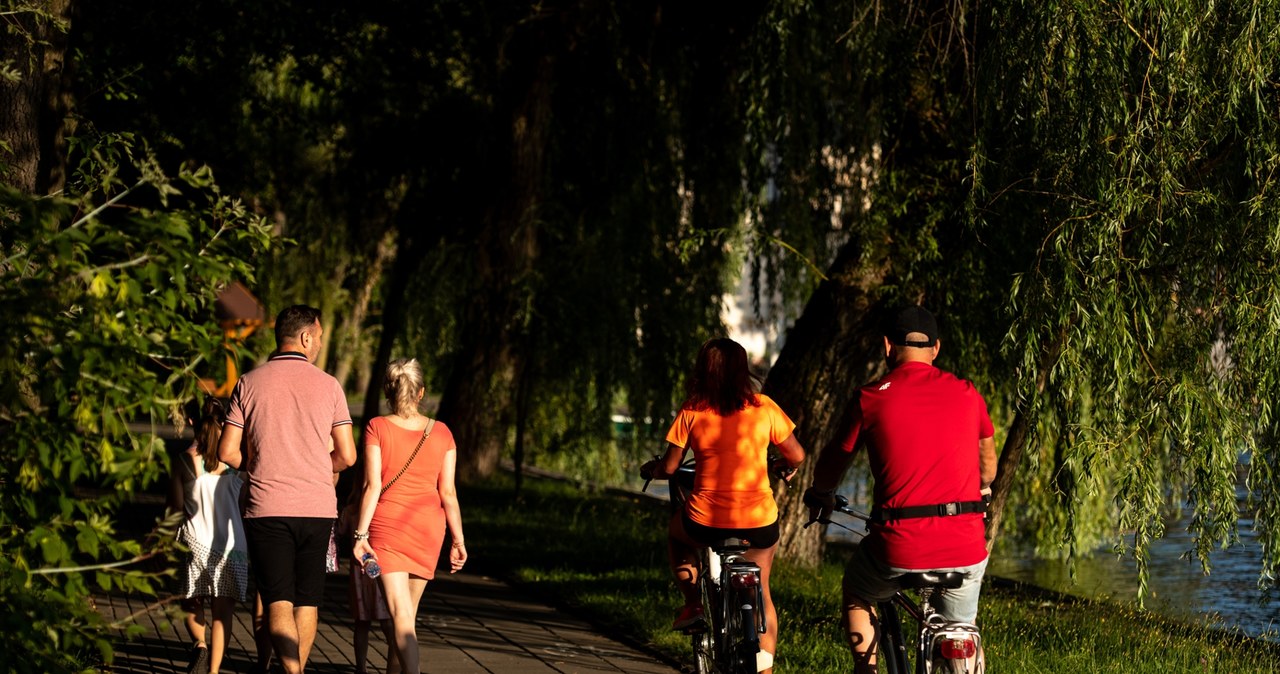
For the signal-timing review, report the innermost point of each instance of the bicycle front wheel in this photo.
(704, 642)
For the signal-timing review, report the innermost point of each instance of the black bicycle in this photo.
(942, 646)
(727, 641)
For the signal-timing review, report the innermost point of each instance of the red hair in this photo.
(721, 379)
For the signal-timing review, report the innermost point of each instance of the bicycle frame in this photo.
(942, 646)
(736, 605)
(732, 600)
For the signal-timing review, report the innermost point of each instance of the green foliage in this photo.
(1063, 505)
(396, 117)
(1133, 155)
(106, 299)
(628, 262)
(1082, 191)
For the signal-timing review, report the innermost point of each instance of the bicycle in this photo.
(732, 597)
(942, 646)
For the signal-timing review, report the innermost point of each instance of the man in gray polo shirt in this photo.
(286, 412)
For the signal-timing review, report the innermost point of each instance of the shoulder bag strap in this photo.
(430, 423)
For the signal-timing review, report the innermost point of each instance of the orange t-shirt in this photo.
(731, 487)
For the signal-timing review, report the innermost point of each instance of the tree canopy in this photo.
(1086, 195)
(546, 202)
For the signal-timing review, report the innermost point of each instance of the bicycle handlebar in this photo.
(649, 477)
(779, 469)
(841, 506)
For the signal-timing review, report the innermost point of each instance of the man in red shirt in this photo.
(932, 452)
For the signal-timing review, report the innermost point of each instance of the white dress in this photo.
(218, 564)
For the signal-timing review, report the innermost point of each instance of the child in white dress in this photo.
(216, 573)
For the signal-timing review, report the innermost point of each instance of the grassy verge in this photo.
(603, 556)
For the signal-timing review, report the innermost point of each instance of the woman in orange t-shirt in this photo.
(728, 427)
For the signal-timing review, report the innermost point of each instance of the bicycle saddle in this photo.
(730, 545)
(947, 580)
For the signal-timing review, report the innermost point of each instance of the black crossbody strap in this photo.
(425, 433)
(883, 515)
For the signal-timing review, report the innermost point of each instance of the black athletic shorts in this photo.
(287, 555)
(759, 537)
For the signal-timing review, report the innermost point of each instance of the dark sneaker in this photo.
(689, 619)
(199, 660)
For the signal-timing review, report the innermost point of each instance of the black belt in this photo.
(882, 515)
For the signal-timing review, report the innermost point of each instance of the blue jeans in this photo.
(872, 581)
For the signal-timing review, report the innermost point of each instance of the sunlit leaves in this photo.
(106, 311)
(1154, 246)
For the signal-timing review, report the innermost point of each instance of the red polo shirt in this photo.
(921, 427)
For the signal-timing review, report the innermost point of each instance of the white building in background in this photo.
(761, 336)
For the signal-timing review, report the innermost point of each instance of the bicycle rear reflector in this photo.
(744, 580)
(957, 648)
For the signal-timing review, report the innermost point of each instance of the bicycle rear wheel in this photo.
(741, 639)
(892, 647)
(953, 648)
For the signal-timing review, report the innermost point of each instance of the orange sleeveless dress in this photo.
(408, 525)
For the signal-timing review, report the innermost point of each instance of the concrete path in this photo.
(467, 624)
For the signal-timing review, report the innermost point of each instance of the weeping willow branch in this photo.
(98, 567)
(815, 269)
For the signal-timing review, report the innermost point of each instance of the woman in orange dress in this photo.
(409, 501)
(728, 427)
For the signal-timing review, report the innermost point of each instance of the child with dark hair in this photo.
(367, 602)
(216, 572)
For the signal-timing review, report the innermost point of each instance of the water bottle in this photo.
(371, 568)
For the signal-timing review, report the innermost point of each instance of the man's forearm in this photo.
(343, 454)
(832, 464)
(988, 462)
(229, 446)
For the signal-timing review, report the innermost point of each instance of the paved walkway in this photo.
(468, 624)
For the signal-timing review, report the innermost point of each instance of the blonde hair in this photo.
(403, 385)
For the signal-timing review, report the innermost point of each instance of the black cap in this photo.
(909, 320)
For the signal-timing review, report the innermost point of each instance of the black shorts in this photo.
(759, 537)
(287, 555)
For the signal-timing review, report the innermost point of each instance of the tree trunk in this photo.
(829, 353)
(523, 397)
(327, 321)
(349, 342)
(34, 110)
(407, 257)
(478, 399)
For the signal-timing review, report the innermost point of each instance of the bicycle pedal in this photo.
(696, 627)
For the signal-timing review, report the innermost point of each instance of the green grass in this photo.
(604, 557)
